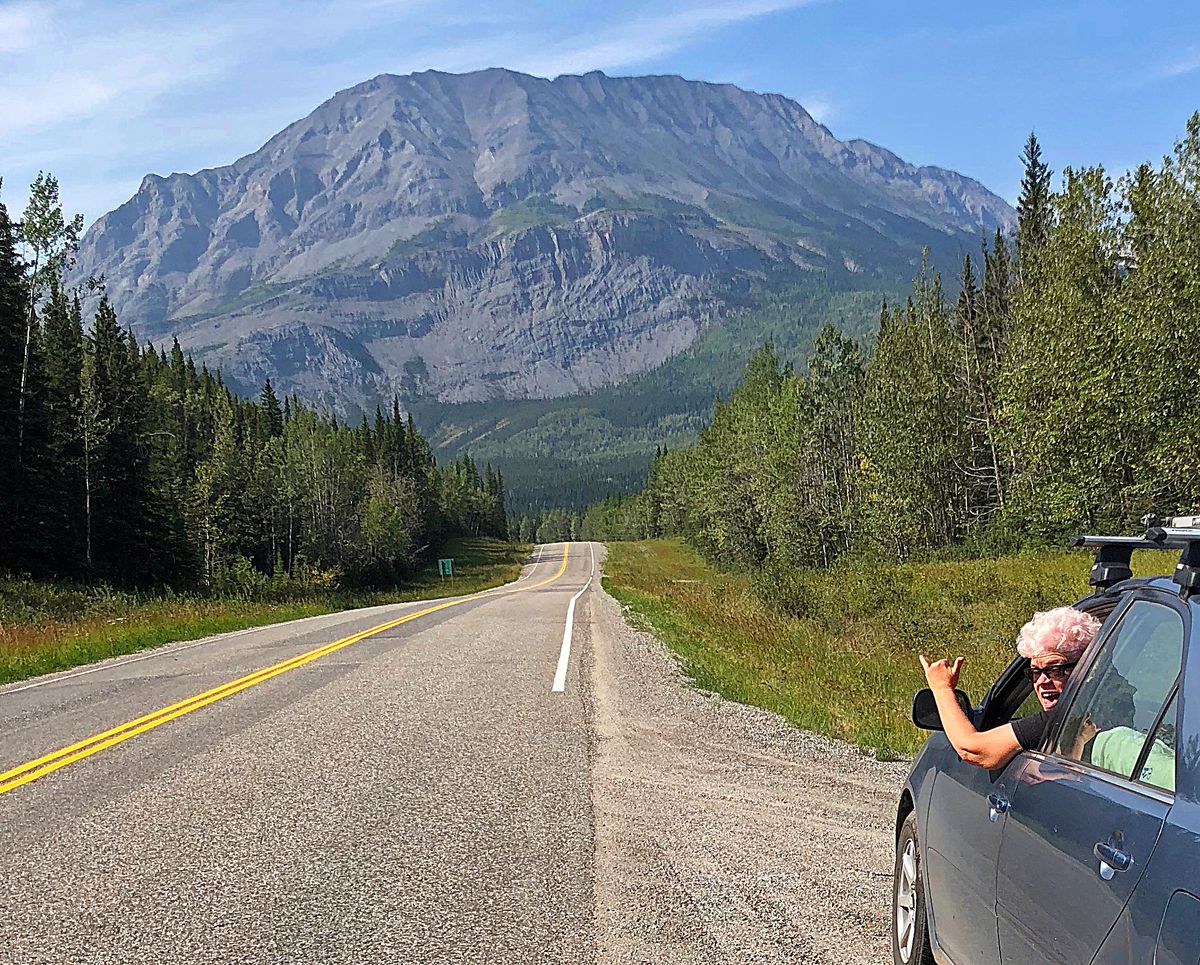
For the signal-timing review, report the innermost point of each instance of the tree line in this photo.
(548, 526)
(1051, 393)
(124, 463)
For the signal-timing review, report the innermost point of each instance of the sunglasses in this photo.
(1057, 671)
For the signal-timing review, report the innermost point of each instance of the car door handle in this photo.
(1112, 860)
(997, 805)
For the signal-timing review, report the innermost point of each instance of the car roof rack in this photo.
(1187, 538)
(1114, 554)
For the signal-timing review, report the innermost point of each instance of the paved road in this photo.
(418, 795)
(423, 794)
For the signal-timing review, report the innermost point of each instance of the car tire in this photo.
(910, 925)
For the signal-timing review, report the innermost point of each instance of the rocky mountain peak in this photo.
(504, 234)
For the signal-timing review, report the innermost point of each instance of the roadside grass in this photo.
(843, 660)
(46, 627)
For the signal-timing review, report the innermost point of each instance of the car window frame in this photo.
(1144, 755)
(1071, 692)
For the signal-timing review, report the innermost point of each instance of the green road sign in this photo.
(446, 567)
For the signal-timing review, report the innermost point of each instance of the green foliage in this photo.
(773, 218)
(640, 202)
(249, 297)
(12, 340)
(572, 452)
(536, 211)
(1034, 214)
(439, 234)
(911, 492)
(1050, 397)
(47, 626)
(844, 662)
(132, 468)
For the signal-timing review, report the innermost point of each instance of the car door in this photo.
(961, 848)
(1084, 816)
(966, 818)
(962, 841)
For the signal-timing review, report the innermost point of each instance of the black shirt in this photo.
(1031, 730)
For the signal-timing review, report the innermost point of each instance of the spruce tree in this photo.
(968, 296)
(268, 402)
(62, 363)
(116, 464)
(12, 330)
(1033, 207)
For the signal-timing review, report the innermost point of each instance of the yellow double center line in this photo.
(31, 770)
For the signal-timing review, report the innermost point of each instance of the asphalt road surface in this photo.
(430, 782)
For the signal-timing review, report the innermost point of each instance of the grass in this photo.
(46, 627)
(847, 666)
(538, 210)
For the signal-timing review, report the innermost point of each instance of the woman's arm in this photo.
(989, 749)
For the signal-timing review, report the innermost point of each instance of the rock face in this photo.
(493, 234)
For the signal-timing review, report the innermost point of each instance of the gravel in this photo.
(723, 834)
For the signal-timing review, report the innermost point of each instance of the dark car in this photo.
(1074, 858)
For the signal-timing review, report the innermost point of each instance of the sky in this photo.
(102, 92)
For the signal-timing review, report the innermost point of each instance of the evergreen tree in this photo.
(1033, 207)
(117, 544)
(12, 327)
(62, 494)
(51, 242)
(977, 366)
(272, 413)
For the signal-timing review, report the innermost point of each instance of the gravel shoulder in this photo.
(723, 834)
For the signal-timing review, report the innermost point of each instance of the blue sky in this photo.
(101, 92)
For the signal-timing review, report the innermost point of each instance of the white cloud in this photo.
(643, 39)
(22, 26)
(1185, 65)
(102, 91)
(126, 67)
(822, 106)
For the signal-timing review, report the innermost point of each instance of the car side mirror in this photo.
(925, 713)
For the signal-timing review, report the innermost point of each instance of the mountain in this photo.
(492, 235)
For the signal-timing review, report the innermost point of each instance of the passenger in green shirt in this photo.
(1117, 750)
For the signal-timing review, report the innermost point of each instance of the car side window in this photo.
(1123, 692)
(1157, 765)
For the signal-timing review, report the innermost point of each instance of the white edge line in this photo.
(170, 649)
(118, 663)
(564, 654)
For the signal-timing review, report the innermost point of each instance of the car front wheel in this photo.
(910, 933)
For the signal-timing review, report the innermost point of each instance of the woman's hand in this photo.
(942, 673)
(1087, 731)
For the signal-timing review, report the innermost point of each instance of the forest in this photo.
(1052, 392)
(125, 464)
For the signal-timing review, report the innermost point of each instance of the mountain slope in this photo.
(494, 235)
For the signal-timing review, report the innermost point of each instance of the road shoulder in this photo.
(723, 834)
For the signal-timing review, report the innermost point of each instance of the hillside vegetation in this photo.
(493, 235)
(1054, 394)
(568, 453)
(844, 661)
(52, 626)
(126, 465)
(833, 521)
